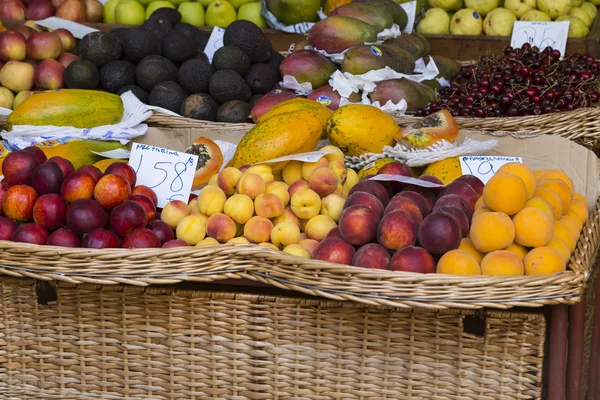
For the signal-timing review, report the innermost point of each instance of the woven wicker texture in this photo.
(122, 342)
(143, 267)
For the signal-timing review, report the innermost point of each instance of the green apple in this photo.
(192, 13)
(109, 11)
(238, 3)
(129, 12)
(251, 12)
(155, 5)
(220, 13)
(205, 3)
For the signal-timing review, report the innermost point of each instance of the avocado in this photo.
(188, 30)
(100, 48)
(261, 78)
(139, 43)
(199, 106)
(159, 27)
(120, 33)
(137, 91)
(194, 75)
(230, 57)
(234, 111)
(228, 85)
(168, 95)
(201, 56)
(168, 14)
(255, 99)
(275, 59)
(153, 70)
(116, 74)
(81, 74)
(249, 38)
(179, 48)
(201, 39)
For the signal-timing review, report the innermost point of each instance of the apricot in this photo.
(305, 203)
(481, 210)
(467, 245)
(560, 188)
(533, 227)
(287, 216)
(561, 248)
(284, 234)
(258, 230)
(292, 172)
(174, 212)
(252, 185)
(458, 262)
(563, 232)
(543, 260)
(239, 207)
(491, 231)
(552, 198)
(228, 180)
(264, 170)
(319, 226)
(538, 172)
(572, 225)
(297, 250)
(207, 241)
(581, 198)
(211, 200)
(541, 204)
(191, 229)
(309, 167)
(268, 205)
(505, 193)
(478, 204)
(333, 205)
(238, 240)
(579, 209)
(502, 262)
(522, 172)
(560, 175)
(517, 249)
(279, 189)
(221, 227)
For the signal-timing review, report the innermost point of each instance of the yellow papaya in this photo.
(282, 135)
(298, 104)
(357, 129)
(372, 167)
(445, 170)
(79, 152)
(105, 162)
(68, 107)
(430, 130)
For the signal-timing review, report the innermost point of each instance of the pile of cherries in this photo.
(524, 81)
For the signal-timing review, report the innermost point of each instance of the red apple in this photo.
(43, 45)
(66, 37)
(18, 167)
(63, 237)
(73, 10)
(50, 211)
(67, 58)
(30, 233)
(12, 46)
(7, 228)
(40, 9)
(49, 75)
(100, 239)
(141, 238)
(12, 10)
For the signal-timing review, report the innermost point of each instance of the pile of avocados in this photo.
(163, 64)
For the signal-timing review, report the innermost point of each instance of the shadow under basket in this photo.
(64, 341)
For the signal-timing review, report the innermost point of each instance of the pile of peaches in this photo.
(47, 201)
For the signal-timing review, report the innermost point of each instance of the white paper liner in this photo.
(228, 150)
(419, 158)
(290, 82)
(134, 113)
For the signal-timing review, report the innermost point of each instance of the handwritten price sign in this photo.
(484, 167)
(541, 34)
(215, 42)
(169, 173)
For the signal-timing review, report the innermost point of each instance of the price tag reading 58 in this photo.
(169, 173)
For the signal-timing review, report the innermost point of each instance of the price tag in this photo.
(312, 156)
(484, 167)
(541, 34)
(78, 30)
(412, 13)
(405, 179)
(215, 42)
(169, 173)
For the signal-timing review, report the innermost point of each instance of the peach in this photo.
(279, 189)
(297, 250)
(145, 191)
(78, 185)
(505, 193)
(7, 228)
(18, 167)
(577, 211)
(397, 230)
(333, 205)
(47, 178)
(319, 226)
(191, 229)
(309, 244)
(207, 241)
(66, 37)
(18, 202)
(427, 194)
(193, 204)
(49, 75)
(340, 170)
(517, 249)
(454, 200)
(163, 231)
(65, 59)
(522, 172)
(239, 240)
(292, 172)
(305, 203)
(463, 190)
(221, 227)
(358, 225)
(439, 233)
(211, 200)
(141, 238)
(541, 204)
(335, 250)
(12, 46)
(127, 217)
(458, 262)
(264, 170)
(479, 203)
(543, 260)
(335, 155)
(297, 186)
(533, 227)
(367, 200)
(371, 255)
(3, 189)
(309, 167)
(213, 181)
(459, 216)
(467, 245)
(124, 170)
(239, 207)
(373, 187)
(269, 245)
(111, 190)
(401, 203)
(419, 200)
(85, 215)
(174, 243)
(559, 245)
(335, 232)
(43, 45)
(268, 205)
(395, 168)
(251, 184)
(351, 178)
(64, 238)
(285, 234)
(146, 204)
(492, 231)
(287, 216)
(258, 230)
(65, 165)
(476, 184)
(174, 212)
(323, 181)
(38, 152)
(30, 233)
(93, 171)
(413, 259)
(50, 212)
(228, 179)
(480, 210)
(502, 262)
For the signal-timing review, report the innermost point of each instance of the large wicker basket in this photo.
(123, 342)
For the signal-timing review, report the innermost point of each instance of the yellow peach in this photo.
(467, 245)
(240, 207)
(533, 227)
(228, 180)
(213, 181)
(297, 186)
(309, 167)
(191, 229)
(335, 155)
(251, 185)
(174, 212)
(340, 170)
(502, 262)
(319, 226)
(305, 204)
(258, 230)
(211, 200)
(280, 189)
(221, 227)
(324, 181)
(269, 245)
(351, 178)
(297, 250)
(292, 172)
(238, 240)
(207, 241)
(309, 244)
(458, 262)
(268, 205)
(284, 234)
(491, 231)
(517, 249)
(332, 206)
(264, 170)
(287, 216)
(561, 248)
(541, 204)
(522, 172)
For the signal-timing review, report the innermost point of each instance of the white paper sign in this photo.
(405, 179)
(169, 173)
(215, 42)
(411, 12)
(541, 34)
(484, 167)
(114, 154)
(78, 30)
(312, 156)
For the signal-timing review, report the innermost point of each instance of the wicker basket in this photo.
(122, 342)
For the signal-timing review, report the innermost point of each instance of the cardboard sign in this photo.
(541, 34)
(312, 156)
(169, 173)
(484, 167)
(215, 42)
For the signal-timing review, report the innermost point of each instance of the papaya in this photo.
(282, 135)
(210, 159)
(374, 166)
(322, 113)
(79, 152)
(357, 129)
(430, 130)
(446, 170)
(68, 107)
(104, 163)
